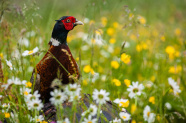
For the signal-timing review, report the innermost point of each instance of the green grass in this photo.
(151, 63)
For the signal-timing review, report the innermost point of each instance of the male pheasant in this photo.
(57, 59)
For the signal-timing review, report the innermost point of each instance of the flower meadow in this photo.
(128, 52)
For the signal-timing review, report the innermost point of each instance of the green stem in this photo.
(136, 101)
(99, 108)
(74, 110)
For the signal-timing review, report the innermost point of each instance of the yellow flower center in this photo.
(89, 121)
(25, 93)
(30, 52)
(135, 90)
(148, 114)
(37, 120)
(124, 117)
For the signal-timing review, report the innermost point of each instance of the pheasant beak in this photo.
(78, 22)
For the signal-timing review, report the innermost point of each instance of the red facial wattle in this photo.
(69, 23)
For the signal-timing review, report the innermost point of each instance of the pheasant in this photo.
(57, 59)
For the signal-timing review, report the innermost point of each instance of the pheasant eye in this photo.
(68, 20)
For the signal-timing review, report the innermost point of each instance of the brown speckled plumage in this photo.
(48, 67)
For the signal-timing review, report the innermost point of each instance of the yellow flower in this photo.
(162, 38)
(28, 84)
(70, 38)
(112, 40)
(170, 50)
(93, 40)
(115, 25)
(92, 71)
(85, 82)
(175, 70)
(158, 117)
(177, 54)
(100, 69)
(77, 59)
(133, 108)
(177, 32)
(1, 55)
(99, 32)
(110, 31)
(115, 64)
(104, 21)
(152, 78)
(152, 100)
(127, 82)
(133, 121)
(7, 115)
(43, 122)
(142, 20)
(87, 69)
(125, 58)
(125, 104)
(91, 22)
(144, 46)
(131, 16)
(133, 37)
(116, 82)
(138, 48)
(155, 33)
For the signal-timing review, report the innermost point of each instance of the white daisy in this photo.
(38, 119)
(122, 102)
(100, 96)
(174, 85)
(25, 91)
(86, 20)
(95, 76)
(125, 116)
(89, 120)
(9, 82)
(35, 104)
(26, 53)
(13, 80)
(116, 121)
(168, 105)
(33, 96)
(24, 41)
(93, 110)
(73, 91)
(148, 116)
(66, 120)
(6, 105)
(135, 89)
(58, 97)
(9, 64)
